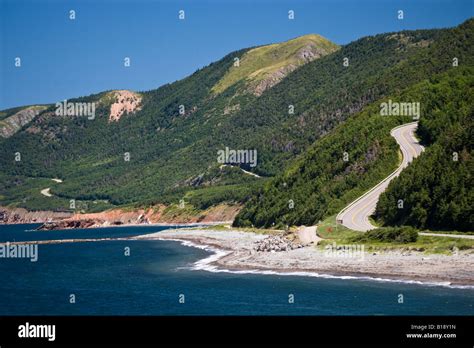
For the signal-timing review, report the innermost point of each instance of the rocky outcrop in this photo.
(270, 80)
(157, 214)
(263, 67)
(15, 122)
(305, 55)
(67, 224)
(23, 216)
(276, 243)
(84, 223)
(125, 102)
(231, 109)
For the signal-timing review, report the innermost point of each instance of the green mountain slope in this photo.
(437, 190)
(89, 154)
(265, 66)
(320, 182)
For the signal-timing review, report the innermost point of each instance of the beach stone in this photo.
(275, 244)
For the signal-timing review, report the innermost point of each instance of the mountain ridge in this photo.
(254, 67)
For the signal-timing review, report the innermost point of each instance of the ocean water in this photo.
(158, 274)
(27, 232)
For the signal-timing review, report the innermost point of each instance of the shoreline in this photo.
(153, 216)
(155, 224)
(232, 252)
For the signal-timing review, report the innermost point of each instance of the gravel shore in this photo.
(240, 254)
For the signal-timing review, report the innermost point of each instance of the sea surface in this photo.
(169, 278)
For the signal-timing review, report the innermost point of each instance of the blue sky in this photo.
(63, 58)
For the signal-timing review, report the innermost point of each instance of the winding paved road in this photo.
(356, 215)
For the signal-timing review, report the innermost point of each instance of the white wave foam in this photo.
(207, 264)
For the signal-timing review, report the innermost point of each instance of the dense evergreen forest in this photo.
(437, 190)
(320, 182)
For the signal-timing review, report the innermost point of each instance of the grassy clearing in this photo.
(331, 232)
(329, 229)
(428, 245)
(260, 62)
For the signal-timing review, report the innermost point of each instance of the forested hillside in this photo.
(159, 139)
(437, 190)
(320, 182)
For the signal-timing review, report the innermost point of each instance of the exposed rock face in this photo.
(158, 214)
(271, 80)
(114, 217)
(305, 55)
(15, 122)
(84, 221)
(310, 52)
(196, 181)
(263, 67)
(230, 109)
(275, 243)
(22, 216)
(126, 102)
(61, 225)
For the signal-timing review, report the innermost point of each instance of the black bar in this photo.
(242, 330)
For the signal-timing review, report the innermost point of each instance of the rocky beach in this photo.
(242, 251)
